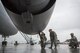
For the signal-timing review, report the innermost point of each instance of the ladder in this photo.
(26, 37)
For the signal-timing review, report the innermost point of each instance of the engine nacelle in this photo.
(6, 25)
(29, 16)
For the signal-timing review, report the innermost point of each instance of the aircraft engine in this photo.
(29, 16)
(6, 25)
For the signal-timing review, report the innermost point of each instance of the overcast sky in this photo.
(64, 20)
(66, 14)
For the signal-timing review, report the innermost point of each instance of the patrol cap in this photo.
(72, 34)
(50, 29)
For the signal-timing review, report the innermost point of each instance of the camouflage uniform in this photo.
(53, 38)
(74, 42)
(43, 40)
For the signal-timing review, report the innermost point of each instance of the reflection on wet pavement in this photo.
(26, 48)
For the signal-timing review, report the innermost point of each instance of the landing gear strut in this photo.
(4, 43)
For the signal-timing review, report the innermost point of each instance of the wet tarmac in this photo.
(26, 48)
